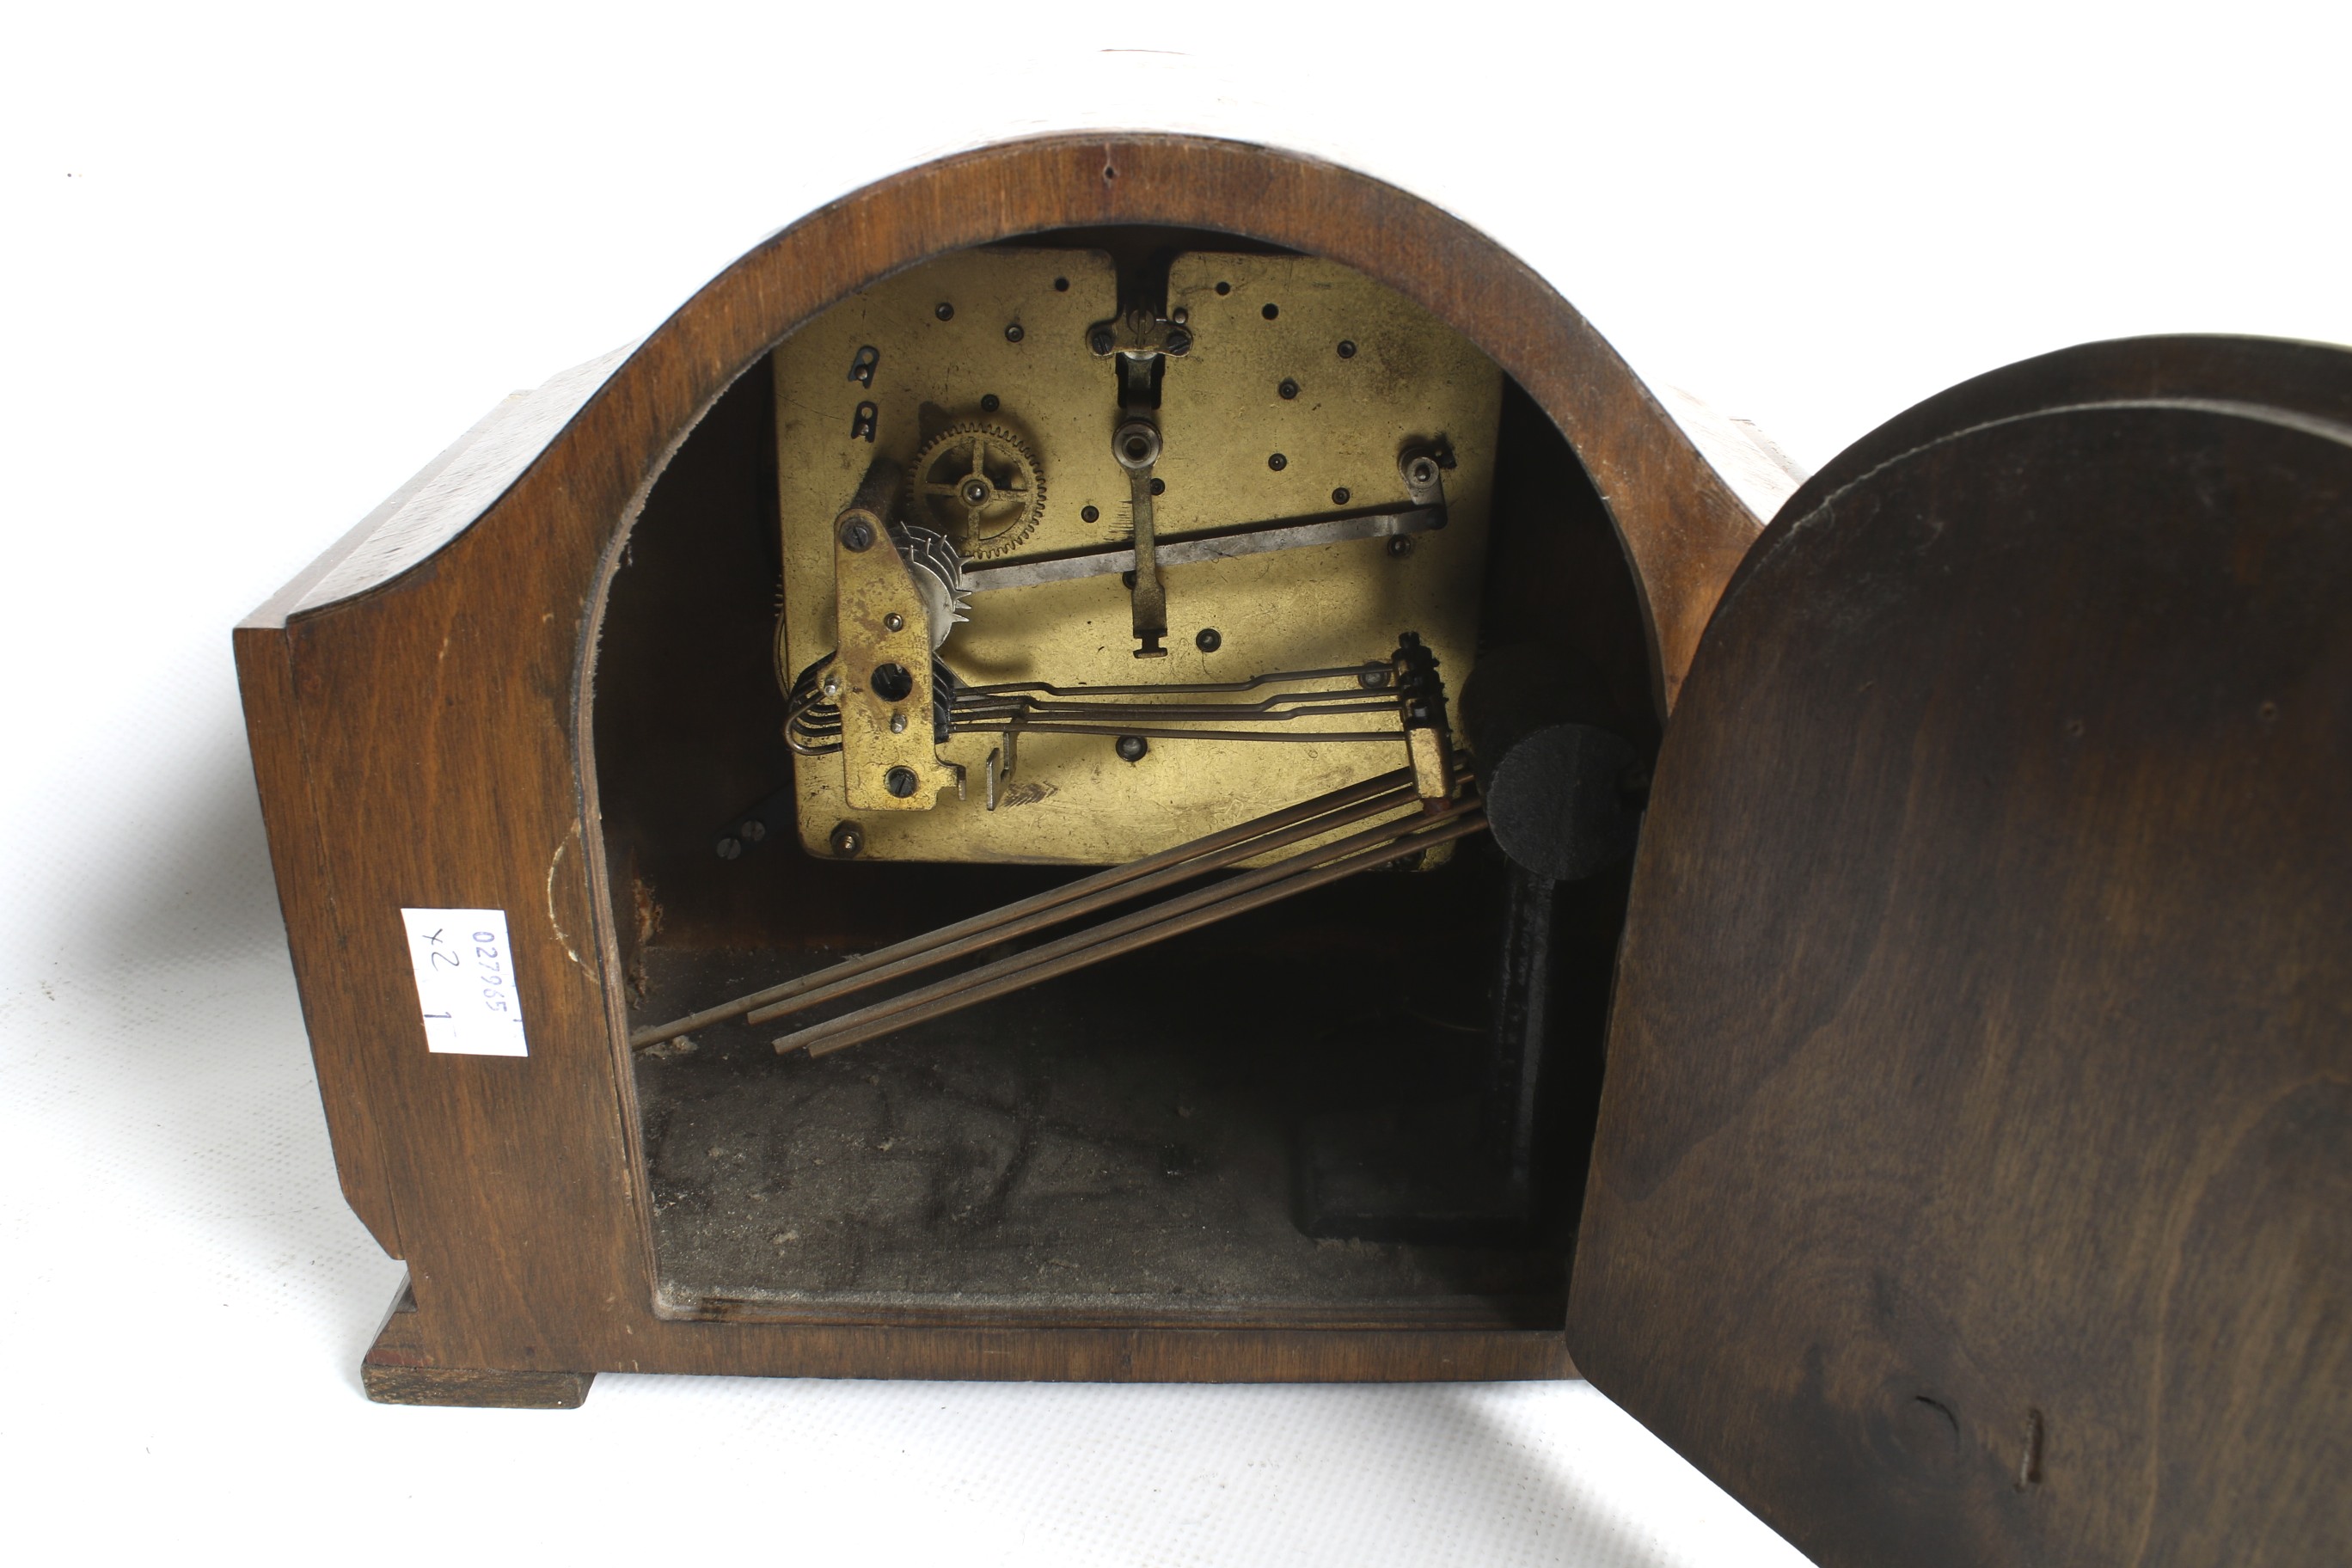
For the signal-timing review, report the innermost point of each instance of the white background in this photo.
(257, 264)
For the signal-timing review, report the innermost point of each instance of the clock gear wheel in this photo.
(979, 485)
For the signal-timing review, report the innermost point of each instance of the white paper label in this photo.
(464, 982)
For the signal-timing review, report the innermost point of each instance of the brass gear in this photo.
(981, 486)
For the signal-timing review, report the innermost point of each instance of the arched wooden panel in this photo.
(1974, 1175)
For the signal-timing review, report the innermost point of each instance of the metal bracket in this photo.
(1424, 483)
(883, 669)
(1139, 332)
(1136, 445)
(1421, 700)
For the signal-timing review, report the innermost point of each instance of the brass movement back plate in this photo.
(999, 338)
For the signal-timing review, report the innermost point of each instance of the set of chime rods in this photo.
(1371, 669)
(1040, 709)
(1153, 720)
(1312, 867)
(1282, 705)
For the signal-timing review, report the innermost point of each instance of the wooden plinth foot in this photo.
(483, 1387)
(394, 1373)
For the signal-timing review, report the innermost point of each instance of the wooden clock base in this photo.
(400, 1367)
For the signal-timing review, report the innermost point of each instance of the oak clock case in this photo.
(1060, 749)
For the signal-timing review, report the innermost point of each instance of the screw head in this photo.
(900, 781)
(1288, 390)
(729, 849)
(1013, 333)
(858, 534)
(848, 839)
(1101, 341)
(1347, 349)
(943, 311)
(1132, 748)
(1179, 341)
(752, 830)
(1208, 639)
(1277, 462)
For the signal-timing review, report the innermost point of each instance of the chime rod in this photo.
(1377, 667)
(1308, 869)
(1347, 701)
(1159, 712)
(1083, 887)
(1017, 924)
(1153, 733)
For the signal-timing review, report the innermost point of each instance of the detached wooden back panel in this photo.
(418, 711)
(1974, 1175)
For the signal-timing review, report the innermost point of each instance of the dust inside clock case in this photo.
(1118, 753)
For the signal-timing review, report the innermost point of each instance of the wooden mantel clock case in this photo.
(1067, 775)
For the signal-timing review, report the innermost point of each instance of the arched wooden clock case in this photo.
(1971, 1175)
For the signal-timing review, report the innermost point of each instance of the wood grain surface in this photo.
(427, 743)
(1974, 1174)
(2281, 374)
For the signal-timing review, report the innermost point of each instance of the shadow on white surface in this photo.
(198, 887)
